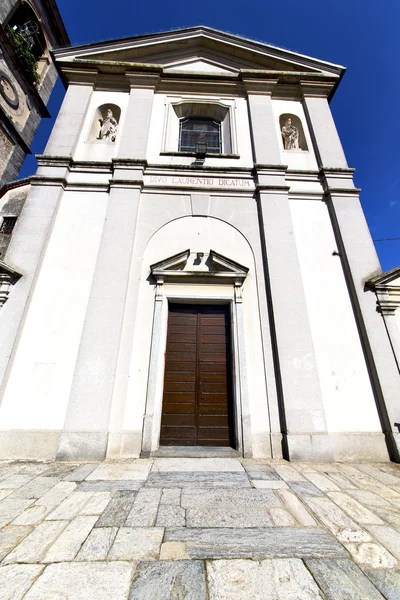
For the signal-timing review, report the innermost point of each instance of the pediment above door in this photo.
(209, 267)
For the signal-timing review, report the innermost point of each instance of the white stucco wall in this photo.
(100, 150)
(346, 390)
(164, 131)
(37, 391)
(200, 235)
(294, 159)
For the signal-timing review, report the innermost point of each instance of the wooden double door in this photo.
(197, 399)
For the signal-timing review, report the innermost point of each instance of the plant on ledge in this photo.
(24, 54)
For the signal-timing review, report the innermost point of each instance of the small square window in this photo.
(7, 225)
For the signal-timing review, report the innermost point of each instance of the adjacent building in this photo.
(192, 268)
(29, 29)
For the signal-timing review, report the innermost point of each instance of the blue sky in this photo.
(362, 35)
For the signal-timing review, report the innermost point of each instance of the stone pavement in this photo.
(199, 528)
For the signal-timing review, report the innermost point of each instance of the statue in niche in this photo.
(108, 130)
(290, 135)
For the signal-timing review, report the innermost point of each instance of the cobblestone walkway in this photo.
(200, 528)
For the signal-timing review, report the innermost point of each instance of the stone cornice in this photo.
(123, 75)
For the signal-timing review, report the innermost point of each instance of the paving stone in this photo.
(10, 537)
(135, 470)
(372, 555)
(193, 465)
(219, 498)
(14, 481)
(233, 516)
(170, 516)
(337, 521)
(305, 489)
(70, 541)
(171, 496)
(59, 469)
(277, 579)
(34, 547)
(341, 480)
(137, 543)
(98, 544)
(282, 518)
(270, 485)
(109, 486)
(265, 475)
(96, 504)
(83, 581)
(254, 465)
(255, 543)
(296, 508)
(173, 551)
(31, 516)
(288, 473)
(342, 580)
(173, 580)
(379, 475)
(55, 495)
(354, 509)
(80, 473)
(5, 493)
(36, 488)
(322, 482)
(387, 582)
(117, 509)
(70, 507)
(144, 509)
(369, 499)
(10, 508)
(15, 580)
(198, 479)
(388, 538)
(389, 516)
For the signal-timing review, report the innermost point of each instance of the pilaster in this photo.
(263, 130)
(25, 253)
(328, 148)
(86, 426)
(302, 411)
(360, 263)
(134, 135)
(70, 120)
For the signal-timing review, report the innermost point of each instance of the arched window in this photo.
(200, 129)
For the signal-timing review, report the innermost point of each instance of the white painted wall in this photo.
(346, 389)
(295, 159)
(40, 379)
(99, 150)
(199, 234)
(164, 131)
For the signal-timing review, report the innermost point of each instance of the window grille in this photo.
(194, 130)
(8, 225)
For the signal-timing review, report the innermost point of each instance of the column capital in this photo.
(147, 81)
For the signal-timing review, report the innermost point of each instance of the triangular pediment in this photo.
(199, 65)
(198, 49)
(198, 265)
(387, 279)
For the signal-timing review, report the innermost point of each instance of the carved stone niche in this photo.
(105, 123)
(293, 138)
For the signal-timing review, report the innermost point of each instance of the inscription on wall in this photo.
(215, 182)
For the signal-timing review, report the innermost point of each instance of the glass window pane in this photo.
(194, 130)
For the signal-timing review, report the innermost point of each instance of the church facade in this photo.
(189, 271)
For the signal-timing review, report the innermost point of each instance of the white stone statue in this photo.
(108, 131)
(290, 135)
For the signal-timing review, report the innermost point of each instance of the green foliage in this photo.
(24, 54)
